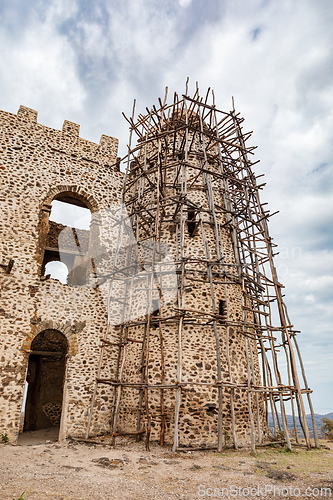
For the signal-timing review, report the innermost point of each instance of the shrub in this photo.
(327, 428)
(4, 438)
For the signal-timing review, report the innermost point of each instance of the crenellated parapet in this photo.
(65, 141)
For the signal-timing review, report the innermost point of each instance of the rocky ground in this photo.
(72, 471)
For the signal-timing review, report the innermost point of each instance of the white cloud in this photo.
(185, 3)
(38, 67)
(87, 62)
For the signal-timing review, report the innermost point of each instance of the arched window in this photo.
(57, 270)
(67, 242)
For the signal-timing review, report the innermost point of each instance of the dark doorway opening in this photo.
(45, 378)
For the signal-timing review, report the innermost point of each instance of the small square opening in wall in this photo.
(222, 311)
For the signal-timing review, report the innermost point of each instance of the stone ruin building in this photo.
(169, 324)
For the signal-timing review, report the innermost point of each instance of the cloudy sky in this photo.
(86, 60)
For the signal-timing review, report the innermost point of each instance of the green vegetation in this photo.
(297, 461)
(300, 461)
(327, 428)
(21, 497)
(4, 438)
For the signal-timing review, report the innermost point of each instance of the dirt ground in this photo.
(72, 471)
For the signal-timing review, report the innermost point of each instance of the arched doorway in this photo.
(45, 378)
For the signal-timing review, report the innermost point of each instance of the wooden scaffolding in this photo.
(159, 177)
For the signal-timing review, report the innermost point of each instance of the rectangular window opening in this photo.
(222, 311)
(191, 224)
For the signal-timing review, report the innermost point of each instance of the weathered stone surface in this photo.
(39, 164)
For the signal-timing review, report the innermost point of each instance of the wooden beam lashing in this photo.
(192, 187)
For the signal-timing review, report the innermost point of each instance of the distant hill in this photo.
(318, 421)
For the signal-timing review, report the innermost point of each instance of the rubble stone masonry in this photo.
(39, 164)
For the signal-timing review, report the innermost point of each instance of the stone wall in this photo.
(67, 238)
(39, 164)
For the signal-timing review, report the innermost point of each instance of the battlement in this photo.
(27, 115)
(66, 140)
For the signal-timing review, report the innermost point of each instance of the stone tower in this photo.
(183, 269)
(193, 289)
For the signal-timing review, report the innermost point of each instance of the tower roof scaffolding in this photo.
(194, 278)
